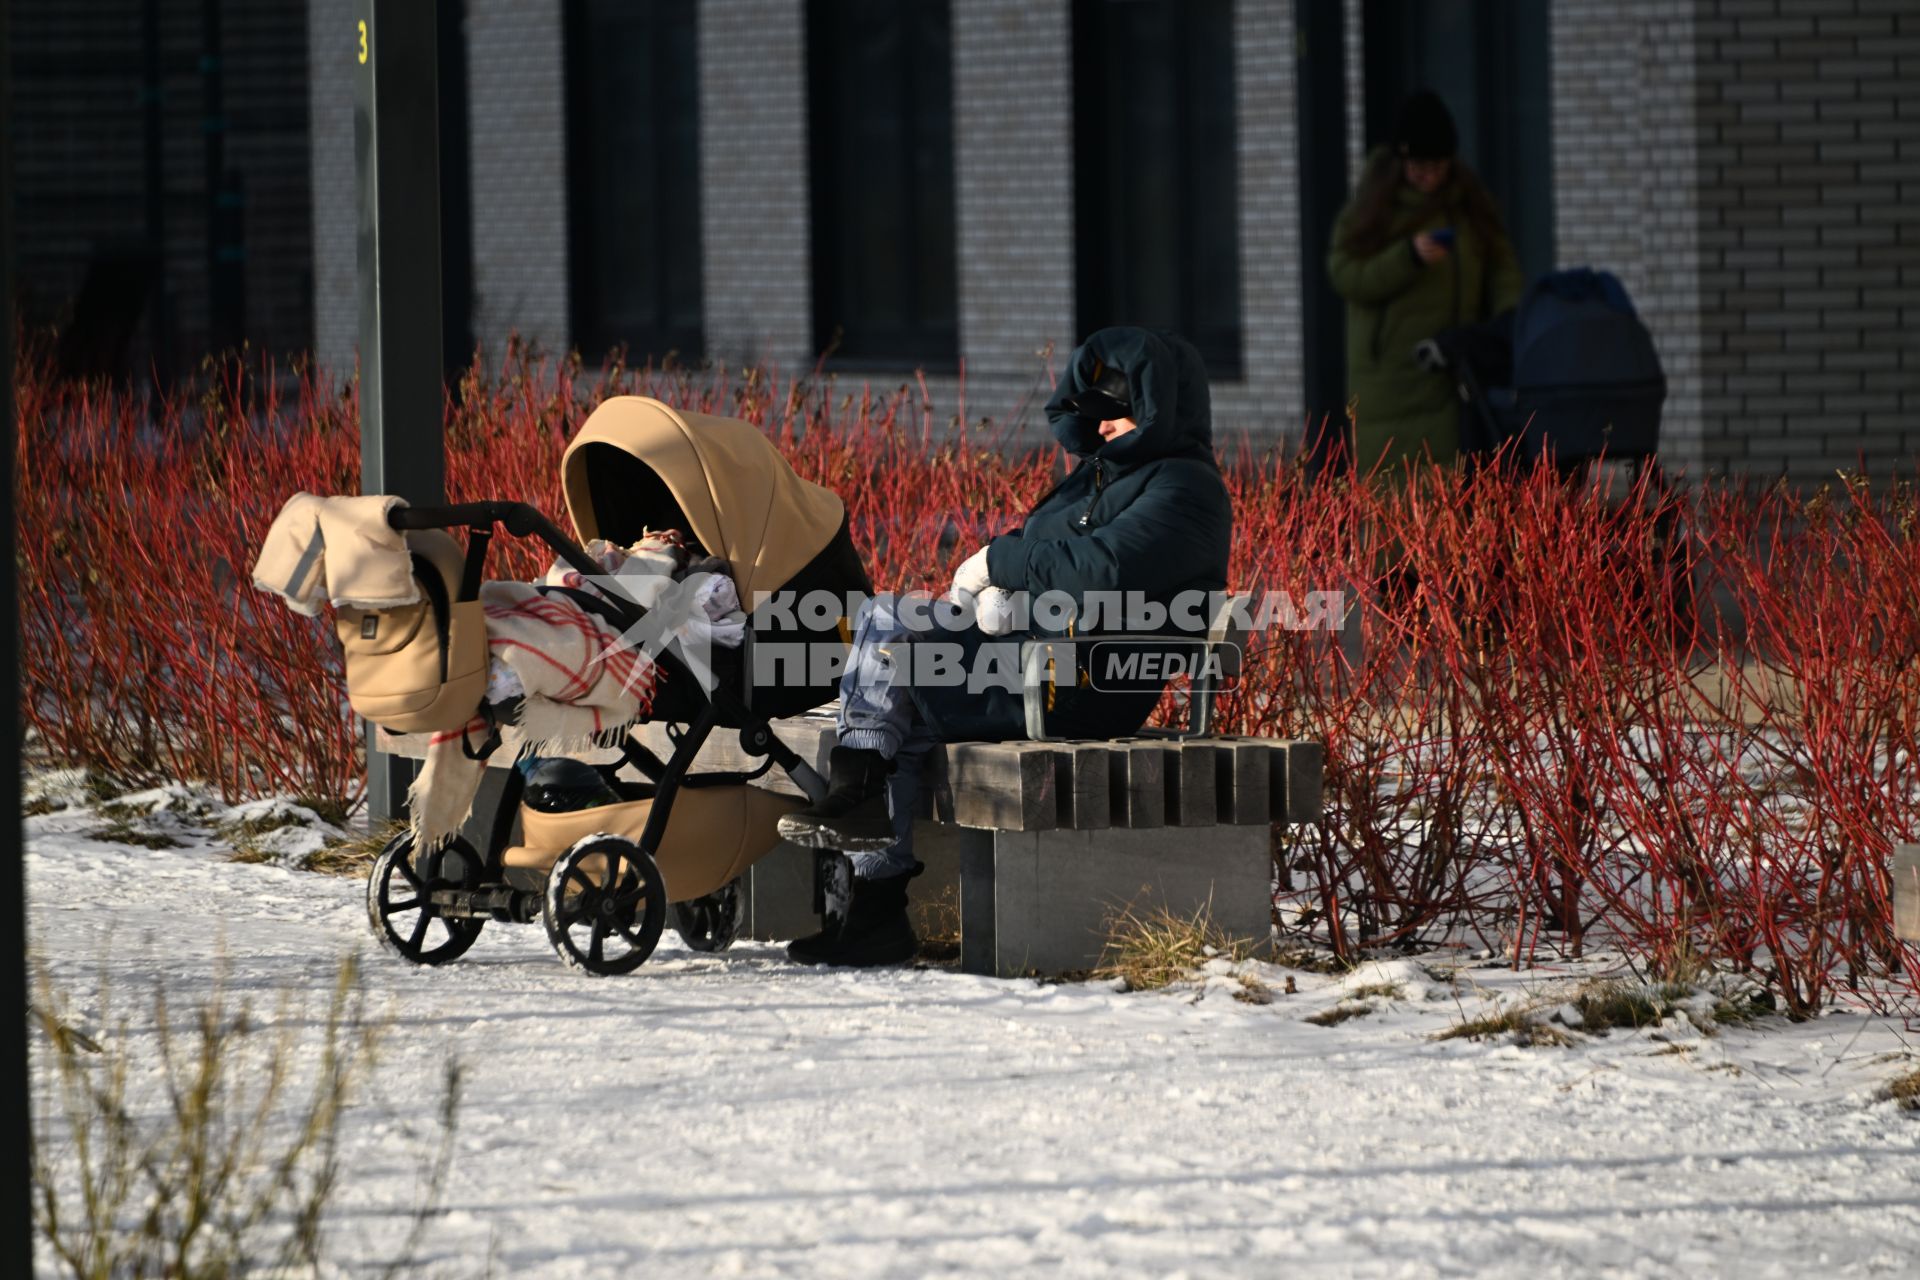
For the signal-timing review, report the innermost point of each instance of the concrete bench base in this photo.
(1042, 902)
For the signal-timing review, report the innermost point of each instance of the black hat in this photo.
(1107, 395)
(1424, 128)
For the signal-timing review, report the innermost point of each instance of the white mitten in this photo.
(993, 611)
(971, 577)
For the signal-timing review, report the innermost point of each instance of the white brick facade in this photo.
(517, 105)
(1268, 400)
(1623, 135)
(753, 182)
(1748, 167)
(1013, 187)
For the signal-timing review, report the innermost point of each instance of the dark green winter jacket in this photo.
(1395, 302)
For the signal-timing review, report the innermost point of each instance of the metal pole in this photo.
(16, 1184)
(396, 152)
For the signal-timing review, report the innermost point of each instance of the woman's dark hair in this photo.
(1373, 204)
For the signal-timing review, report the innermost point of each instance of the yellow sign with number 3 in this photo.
(363, 42)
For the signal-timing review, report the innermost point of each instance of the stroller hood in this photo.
(638, 464)
(1578, 330)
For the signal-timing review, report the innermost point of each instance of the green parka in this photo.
(1395, 302)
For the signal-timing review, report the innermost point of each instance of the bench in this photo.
(1040, 842)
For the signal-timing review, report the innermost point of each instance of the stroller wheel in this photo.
(605, 906)
(400, 907)
(713, 922)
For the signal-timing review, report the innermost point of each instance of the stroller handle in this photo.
(518, 518)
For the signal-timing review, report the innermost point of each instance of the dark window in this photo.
(880, 89)
(1157, 210)
(633, 172)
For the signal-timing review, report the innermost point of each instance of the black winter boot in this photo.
(874, 931)
(853, 818)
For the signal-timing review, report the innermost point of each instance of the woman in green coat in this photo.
(1419, 250)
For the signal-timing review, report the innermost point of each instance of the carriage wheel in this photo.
(606, 905)
(399, 907)
(711, 923)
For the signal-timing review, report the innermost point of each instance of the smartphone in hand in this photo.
(1442, 236)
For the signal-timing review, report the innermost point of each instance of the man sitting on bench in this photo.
(1144, 510)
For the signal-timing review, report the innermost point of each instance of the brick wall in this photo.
(1809, 168)
(80, 161)
(1749, 167)
(516, 101)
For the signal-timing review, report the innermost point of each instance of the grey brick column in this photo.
(1013, 191)
(1357, 139)
(517, 106)
(1626, 179)
(330, 70)
(755, 249)
(1266, 400)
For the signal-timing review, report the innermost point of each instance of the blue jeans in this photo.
(877, 713)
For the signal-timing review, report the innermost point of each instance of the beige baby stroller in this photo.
(602, 879)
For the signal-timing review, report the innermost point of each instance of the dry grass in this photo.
(1310, 960)
(355, 857)
(1605, 1006)
(937, 921)
(1378, 991)
(352, 857)
(1254, 991)
(1159, 948)
(121, 831)
(1905, 1091)
(1523, 1023)
(1339, 1013)
(204, 1145)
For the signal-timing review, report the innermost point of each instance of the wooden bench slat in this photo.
(1191, 793)
(1136, 786)
(1009, 786)
(1081, 778)
(1241, 772)
(1304, 761)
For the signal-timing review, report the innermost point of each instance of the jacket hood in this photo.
(1171, 402)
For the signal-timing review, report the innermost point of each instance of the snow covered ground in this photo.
(735, 1115)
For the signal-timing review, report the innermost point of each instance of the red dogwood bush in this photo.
(1535, 737)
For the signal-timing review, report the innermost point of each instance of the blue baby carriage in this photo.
(1570, 375)
(1570, 379)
